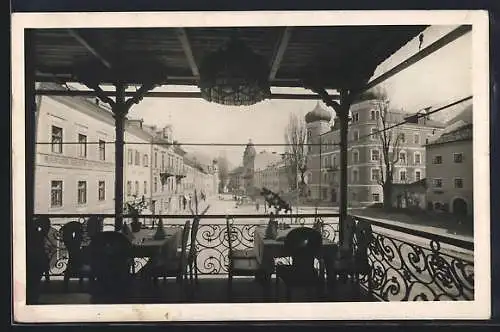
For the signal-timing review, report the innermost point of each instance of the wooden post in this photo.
(343, 115)
(120, 111)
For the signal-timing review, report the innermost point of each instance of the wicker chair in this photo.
(241, 262)
(303, 245)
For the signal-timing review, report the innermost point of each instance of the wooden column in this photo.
(32, 274)
(120, 111)
(343, 116)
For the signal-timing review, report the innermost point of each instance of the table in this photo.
(144, 246)
(266, 250)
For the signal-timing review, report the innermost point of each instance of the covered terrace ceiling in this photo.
(332, 57)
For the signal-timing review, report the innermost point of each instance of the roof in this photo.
(462, 133)
(332, 57)
(318, 114)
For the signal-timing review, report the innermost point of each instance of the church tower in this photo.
(248, 166)
(317, 123)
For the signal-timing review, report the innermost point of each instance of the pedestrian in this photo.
(184, 202)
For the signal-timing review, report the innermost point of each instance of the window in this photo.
(324, 193)
(418, 175)
(375, 155)
(325, 179)
(102, 150)
(82, 192)
(355, 117)
(130, 154)
(375, 174)
(57, 139)
(325, 162)
(372, 115)
(145, 160)
(457, 157)
(334, 160)
(416, 138)
(402, 137)
(82, 145)
(355, 135)
(402, 157)
(156, 160)
(145, 187)
(155, 184)
(101, 194)
(56, 199)
(437, 160)
(137, 158)
(376, 197)
(438, 183)
(402, 176)
(355, 156)
(129, 188)
(355, 176)
(374, 134)
(417, 158)
(459, 183)
(136, 188)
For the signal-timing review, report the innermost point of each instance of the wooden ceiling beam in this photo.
(167, 94)
(188, 51)
(89, 47)
(280, 51)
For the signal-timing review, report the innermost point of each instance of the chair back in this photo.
(194, 234)
(184, 241)
(95, 225)
(364, 235)
(110, 257)
(348, 236)
(303, 244)
(72, 236)
(36, 246)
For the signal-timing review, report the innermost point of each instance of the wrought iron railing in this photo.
(406, 264)
(411, 265)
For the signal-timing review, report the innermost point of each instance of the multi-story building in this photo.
(75, 160)
(136, 173)
(365, 152)
(450, 168)
(74, 156)
(271, 172)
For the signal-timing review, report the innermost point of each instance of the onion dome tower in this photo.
(317, 123)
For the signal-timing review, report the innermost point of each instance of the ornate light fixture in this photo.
(234, 75)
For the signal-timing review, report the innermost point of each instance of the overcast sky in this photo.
(443, 77)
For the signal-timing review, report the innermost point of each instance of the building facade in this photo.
(365, 152)
(450, 172)
(75, 161)
(271, 172)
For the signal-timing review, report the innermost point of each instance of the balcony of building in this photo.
(404, 264)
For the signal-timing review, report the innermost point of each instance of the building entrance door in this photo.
(459, 207)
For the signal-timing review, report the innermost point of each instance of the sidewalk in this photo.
(442, 225)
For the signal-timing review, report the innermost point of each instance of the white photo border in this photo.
(479, 308)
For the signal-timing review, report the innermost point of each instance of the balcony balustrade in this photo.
(406, 264)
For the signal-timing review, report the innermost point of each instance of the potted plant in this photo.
(134, 209)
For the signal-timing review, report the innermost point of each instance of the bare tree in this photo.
(295, 152)
(390, 143)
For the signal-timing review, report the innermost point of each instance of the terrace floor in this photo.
(208, 290)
